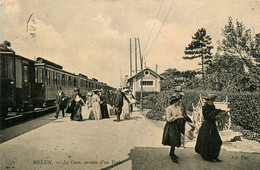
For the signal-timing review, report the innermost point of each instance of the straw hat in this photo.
(210, 97)
(178, 89)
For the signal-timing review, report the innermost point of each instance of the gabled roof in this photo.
(147, 68)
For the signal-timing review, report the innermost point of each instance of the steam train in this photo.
(27, 84)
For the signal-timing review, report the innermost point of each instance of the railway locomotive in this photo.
(27, 85)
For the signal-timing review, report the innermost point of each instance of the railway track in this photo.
(14, 118)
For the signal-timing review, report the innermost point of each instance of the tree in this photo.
(237, 42)
(235, 63)
(200, 47)
(173, 77)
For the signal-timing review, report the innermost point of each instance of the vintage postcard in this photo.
(129, 84)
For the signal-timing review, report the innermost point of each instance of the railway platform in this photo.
(104, 144)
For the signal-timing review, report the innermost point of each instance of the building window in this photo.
(146, 73)
(147, 83)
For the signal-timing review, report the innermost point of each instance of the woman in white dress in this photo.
(126, 106)
(87, 112)
(96, 106)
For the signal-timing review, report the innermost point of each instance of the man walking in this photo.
(59, 97)
(178, 92)
(118, 103)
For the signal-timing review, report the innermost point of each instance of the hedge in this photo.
(244, 107)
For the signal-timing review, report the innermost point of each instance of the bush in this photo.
(244, 107)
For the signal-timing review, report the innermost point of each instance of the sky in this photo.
(92, 36)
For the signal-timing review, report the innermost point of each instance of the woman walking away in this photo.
(172, 129)
(95, 105)
(209, 142)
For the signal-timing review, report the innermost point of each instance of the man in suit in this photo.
(59, 97)
(118, 103)
(179, 93)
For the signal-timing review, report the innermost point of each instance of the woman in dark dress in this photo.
(75, 105)
(103, 105)
(209, 142)
(173, 127)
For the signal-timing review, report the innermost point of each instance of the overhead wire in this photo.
(160, 28)
(153, 25)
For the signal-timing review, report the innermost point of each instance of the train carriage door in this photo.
(26, 86)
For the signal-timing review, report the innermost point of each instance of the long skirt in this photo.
(208, 142)
(104, 111)
(76, 113)
(96, 110)
(171, 134)
(86, 112)
(126, 110)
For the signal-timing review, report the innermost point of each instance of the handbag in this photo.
(190, 134)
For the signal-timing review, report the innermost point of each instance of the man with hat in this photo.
(59, 98)
(179, 93)
(118, 102)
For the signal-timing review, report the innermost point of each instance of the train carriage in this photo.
(27, 85)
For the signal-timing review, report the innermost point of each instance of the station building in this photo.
(151, 81)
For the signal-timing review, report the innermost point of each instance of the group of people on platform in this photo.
(208, 142)
(98, 104)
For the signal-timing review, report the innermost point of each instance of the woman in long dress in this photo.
(209, 142)
(96, 106)
(173, 126)
(75, 105)
(87, 112)
(126, 106)
(103, 105)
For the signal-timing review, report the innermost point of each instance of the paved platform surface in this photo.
(105, 144)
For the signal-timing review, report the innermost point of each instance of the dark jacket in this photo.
(118, 100)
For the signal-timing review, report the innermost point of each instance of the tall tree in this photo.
(235, 62)
(200, 47)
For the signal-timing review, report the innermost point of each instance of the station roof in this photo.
(147, 68)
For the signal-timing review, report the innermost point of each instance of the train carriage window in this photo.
(36, 75)
(40, 75)
(75, 82)
(58, 78)
(69, 81)
(9, 69)
(51, 75)
(1, 66)
(48, 76)
(63, 80)
(54, 77)
(25, 73)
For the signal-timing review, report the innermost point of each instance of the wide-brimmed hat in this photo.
(125, 90)
(175, 97)
(210, 97)
(89, 93)
(178, 89)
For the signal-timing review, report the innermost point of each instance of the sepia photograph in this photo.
(129, 84)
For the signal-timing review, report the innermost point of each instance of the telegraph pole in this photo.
(141, 61)
(135, 57)
(130, 58)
